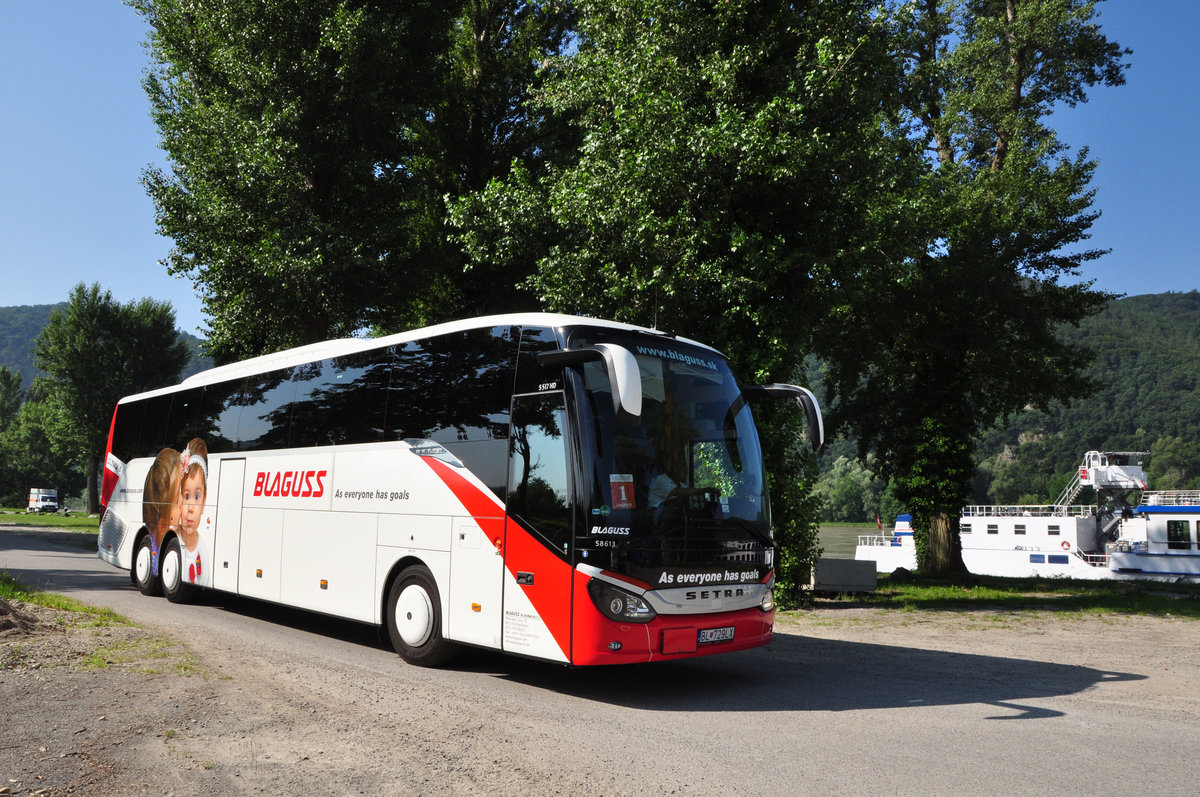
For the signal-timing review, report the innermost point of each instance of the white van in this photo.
(41, 500)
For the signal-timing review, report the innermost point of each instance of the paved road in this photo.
(835, 705)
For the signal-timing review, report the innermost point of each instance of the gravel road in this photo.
(241, 697)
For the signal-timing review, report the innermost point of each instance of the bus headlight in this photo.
(768, 601)
(617, 604)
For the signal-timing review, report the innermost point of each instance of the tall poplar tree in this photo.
(296, 192)
(311, 148)
(726, 153)
(965, 330)
(93, 352)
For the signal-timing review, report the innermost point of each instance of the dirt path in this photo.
(121, 710)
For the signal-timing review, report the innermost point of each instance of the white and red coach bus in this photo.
(575, 490)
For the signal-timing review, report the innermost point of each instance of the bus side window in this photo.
(186, 420)
(221, 413)
(266, 411)
(154, 426)
(454, 389)
(359, 398)
(538, 481)
(127, 429)
(532, 376)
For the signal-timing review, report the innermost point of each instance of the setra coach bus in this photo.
(563, 488)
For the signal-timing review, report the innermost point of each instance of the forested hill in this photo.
(1148, 360)
(20, 326)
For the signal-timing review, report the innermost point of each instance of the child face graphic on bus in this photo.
(160, 496)
(193, 491)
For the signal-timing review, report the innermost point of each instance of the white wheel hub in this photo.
(414, 616)
(142, 565)
(171, 569)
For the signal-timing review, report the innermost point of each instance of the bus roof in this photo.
(343, 346)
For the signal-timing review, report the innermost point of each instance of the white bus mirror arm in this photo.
(802, 396)
(619, 364)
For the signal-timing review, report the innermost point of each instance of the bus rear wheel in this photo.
(174, 586)
(143, 568)
(414, 619)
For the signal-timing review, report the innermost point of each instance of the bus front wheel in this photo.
(414, 619)
(143, 568)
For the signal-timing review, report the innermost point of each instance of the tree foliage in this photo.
(31, 455)
(11, 395)
(964, 329)
(483, 126)
(311, 145)
(850, 490)
(93, 352)
(725, 154)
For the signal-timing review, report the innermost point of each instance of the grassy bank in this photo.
(981, 593)
(75, 522)
(11, 589)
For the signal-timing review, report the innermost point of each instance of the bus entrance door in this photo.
(537, 608)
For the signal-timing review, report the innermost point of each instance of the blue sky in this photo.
(75, 136)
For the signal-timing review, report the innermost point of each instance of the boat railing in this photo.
(1075, 487)
(1171, 498)
(1094, 559)
(877, 540)
(1028, 510)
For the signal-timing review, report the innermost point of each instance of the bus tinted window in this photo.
(267, 406)
(531, 376)
(218, 416)
(127, 429)
(187, 420)
(455, 389)
(343, 400)
(539, 492)
(225, 403)
(154, 426)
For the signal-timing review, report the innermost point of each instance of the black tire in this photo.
(414, 619)
(142, 571)
(170, 570)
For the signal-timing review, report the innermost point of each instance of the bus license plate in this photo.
(715, 635)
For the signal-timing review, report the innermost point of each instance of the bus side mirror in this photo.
(619, 364)
(804, 397)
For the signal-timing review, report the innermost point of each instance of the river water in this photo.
(839, 541)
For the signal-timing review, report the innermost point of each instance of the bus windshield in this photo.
(682, 486)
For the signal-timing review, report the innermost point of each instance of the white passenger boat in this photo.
(1156, 538)
(890, 551)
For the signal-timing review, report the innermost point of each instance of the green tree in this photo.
(298, 194)
(964, 330)
(849, 491)
(725, 151)
(312, 147)
(1174, 464)
(11, 397)
(93, 352)
(483, 125)
(31, 456)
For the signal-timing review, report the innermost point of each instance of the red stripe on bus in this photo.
(551, 592)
